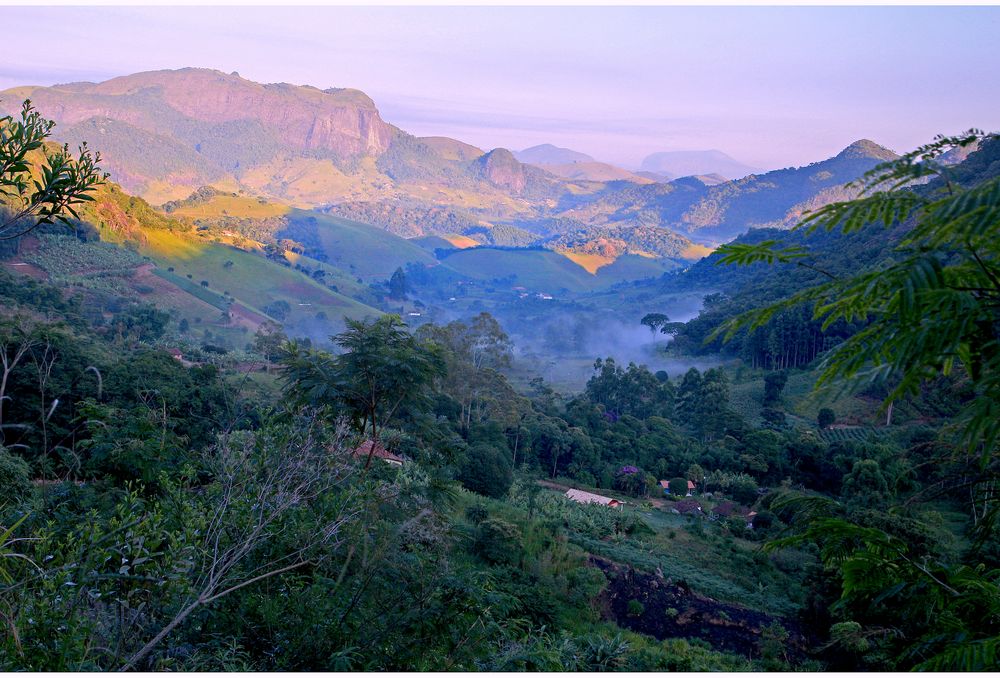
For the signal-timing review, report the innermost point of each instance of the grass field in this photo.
(234, 205)
(359, 249)
(194, 289)
(252, 280)
(538, 270)
(550, 271)
(591, 263)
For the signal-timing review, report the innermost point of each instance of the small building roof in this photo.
(687, 506)
(730, 508)
(364, 449)
(583, 497)
(665, 484)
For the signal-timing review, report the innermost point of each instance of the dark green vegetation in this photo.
(393, 498)
(40, 185)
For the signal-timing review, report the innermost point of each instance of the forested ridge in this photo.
(388, 499)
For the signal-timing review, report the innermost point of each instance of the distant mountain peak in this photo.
(547, 154)
(502, 169)
(696, 163)
(866, 148)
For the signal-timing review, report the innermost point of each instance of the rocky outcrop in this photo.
(865, 149)
(344, 122)
(500, 168)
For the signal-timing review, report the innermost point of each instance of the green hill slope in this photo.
(360, 249)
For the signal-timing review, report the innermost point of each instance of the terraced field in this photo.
(856, 433)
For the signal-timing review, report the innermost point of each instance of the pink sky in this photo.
(772, 87)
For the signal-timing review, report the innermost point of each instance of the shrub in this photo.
(635, 608)
(603, 654)
(499, 542)
(477, 513)
(15, 480)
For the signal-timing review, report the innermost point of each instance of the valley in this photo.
(286, 387)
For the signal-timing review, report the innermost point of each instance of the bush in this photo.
(826, 417)
(477, 513)
(603, 654)
(15, 480)
(635, 608)
(499, 542)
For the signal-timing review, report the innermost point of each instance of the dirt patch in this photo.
(19, 265)
(671, 610)
(242, 315)
(24, 268)
(166, 294)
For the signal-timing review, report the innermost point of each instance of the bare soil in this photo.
(672, 610)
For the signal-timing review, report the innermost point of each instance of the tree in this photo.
(487, 471)
(267, 483)
(143, 321)
(695, 473)
(474, 353)
(278, 309)
(678, 487)
(774, 382)
(397, 284)
(383, 366)
(498, 541)
(934, 308)
(866, 485)
(269, 341)
(826, 417)
(632, 480)
(930, 309)
(654, 321)
(39, 186)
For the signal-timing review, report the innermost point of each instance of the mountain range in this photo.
(165, 134)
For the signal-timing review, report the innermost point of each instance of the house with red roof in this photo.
(363, 451)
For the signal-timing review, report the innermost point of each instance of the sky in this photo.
(771, 86)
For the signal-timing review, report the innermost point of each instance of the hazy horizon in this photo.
(771, 86)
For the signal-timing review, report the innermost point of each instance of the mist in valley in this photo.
(562, 348)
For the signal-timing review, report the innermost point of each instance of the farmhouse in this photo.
(364, 449)
(687, 507)
(665, 484)
(582, 497)
(728, 509)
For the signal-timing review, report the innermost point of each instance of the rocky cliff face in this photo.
(500, 168)
(342, 121)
